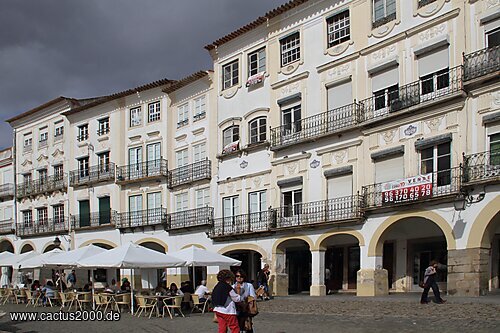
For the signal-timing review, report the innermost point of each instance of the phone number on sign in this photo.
(407, 193)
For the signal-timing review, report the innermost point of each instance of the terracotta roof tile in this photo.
(72, 101)
(185, 81)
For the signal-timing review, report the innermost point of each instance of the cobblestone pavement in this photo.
(336, 313)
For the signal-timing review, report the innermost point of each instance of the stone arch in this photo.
(27, 243)
(353, 233)
(481, 223)
(10, 243)
(297, 237)
(197, 245)
(375, 248)
(102, 241)
(244, 246)
(153, 240)
(50, 246)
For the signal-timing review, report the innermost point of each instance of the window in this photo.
(433, 70)
(230, 206)
(257, 62)
(389, 169)
(135, 203)
(384, 97)
(103, 126)
(83, 132)
(437, 160)
(230, 139)
(230, 74)
(203, 197)
(493, 38)
(44, 137)
(42, 215)
(27, 178)
(154, 200)
(59, 131)
(200, 108)
(383, 11)
(199, 152)
(338, 28)
(182, 115)
(495, 149)
(339, 186)
(42, 176)
(154, 113)
(58, 171)
(135, 116)
(290, 49)
(103, 161)
(258, 130)
(291, 120)
(28, 143)
(28, 218)
(181, 202)
(291, 201)
(435, 81)
(83, 167)
(182, 158)
(58, 213)
(338, 96)
(257, 202)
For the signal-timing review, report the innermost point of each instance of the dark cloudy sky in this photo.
(83, 48)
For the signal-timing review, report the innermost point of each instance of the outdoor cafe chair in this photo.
(177, 305)
(9, 295)
(4, 295)
(67, 298)
(84, 298)
(21, 295)
(108, 300)
(31, 298)
(197, 304)
(144, 304)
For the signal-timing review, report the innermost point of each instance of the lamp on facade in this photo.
(464, 199)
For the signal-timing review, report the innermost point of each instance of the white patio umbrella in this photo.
(131, 256)
(70, 258)
(37, 261)
(5, 255)
(13, 260)
(194, 256)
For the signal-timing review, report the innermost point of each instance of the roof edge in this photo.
(186, 81)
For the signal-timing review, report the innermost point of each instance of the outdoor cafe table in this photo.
(159, 301)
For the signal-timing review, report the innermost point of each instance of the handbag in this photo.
(421, 284)
(252, 307)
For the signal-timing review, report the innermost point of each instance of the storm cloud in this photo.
(85, 48)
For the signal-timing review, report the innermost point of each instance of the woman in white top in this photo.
(244, 289)
(223, 300)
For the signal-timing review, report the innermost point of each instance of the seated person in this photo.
(125, 285)
(108, 290)
(113, 286)
(202, 291)
(48, 292)
(174, 291)
(160, 289)
(186, 287)
(87, 287)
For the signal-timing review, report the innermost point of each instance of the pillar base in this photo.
(319, 290)
(279, 285)
(468, 272)
(372, 282)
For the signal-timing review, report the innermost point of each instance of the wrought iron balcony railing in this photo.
(202, 216)
(6, 190)
(316, 126)
(46, 226)
(92, 175)
(243, 224)
(430, 88)
(420, 188)
(94, 220)
(142, 171)
(481, 167)
(190, 173)
(142, 218)
(336, 210)
(481, 63)
(6, 227)
(41, 186)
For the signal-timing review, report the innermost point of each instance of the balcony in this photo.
(314, 127)
(41, 227)
(6, 191)
(190, 173)
(481, 167)
(145, 171)
(142, 218)
(92, 175)
(94, 220)
(244, 224)
(199, 217)
(6, 227)
(42, 186)
(439, 185)
(482, 65)
(417, 94)
(344, 210)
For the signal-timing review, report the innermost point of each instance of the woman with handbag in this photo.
(223, 300)
(430, 282)
(247, 293)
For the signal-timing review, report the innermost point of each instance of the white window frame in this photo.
(202, 197)
(181, 202)
(83, 166)
(181, 158)
(154, 112)
(230, 74)
(234, 205)
(290, 49)
(42, 215)
(257, 62)
(199, 152)
(261, 197)
(260, 128)
(103, 161)
(59, 131)
(338, 28)
(182, 115)
(27, 217)
(59, 171)
(58, 213)
(135, 115)
(103, 126)
(385, 5)
(230, 135)
(44, 136)
(200, 108)
(83, 132)
(436, 171)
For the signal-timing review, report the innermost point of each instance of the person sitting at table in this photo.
(87, 286)
(202, 291)
(35, 285)
(113, 285)
(174, 291)
(125, 285)
(108, 290)
(160, 288)
(48, 292)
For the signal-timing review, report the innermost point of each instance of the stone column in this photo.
(278, 282)
(468, 272)
(372, 278)
(318, 287)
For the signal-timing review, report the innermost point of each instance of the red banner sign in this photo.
(407, 190)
